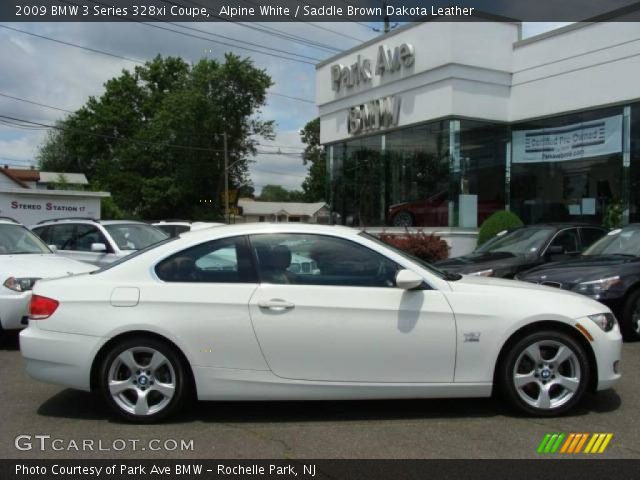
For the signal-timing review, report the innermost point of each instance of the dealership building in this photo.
(440, 124)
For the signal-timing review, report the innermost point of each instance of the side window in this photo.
(568, 240)
(62, 236)
(303, 259)
(590, 236)
(227, 260)
(87, 235)
(44, 234)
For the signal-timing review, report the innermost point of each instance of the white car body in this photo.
(13, 304)
(331, 342)
(175, 228)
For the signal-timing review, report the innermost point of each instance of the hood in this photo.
(582, 269)
(477, 261)
(46, 265)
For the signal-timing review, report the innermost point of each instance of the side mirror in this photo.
(98, 247)
(53, 248)
(408, 280)
(555, 250)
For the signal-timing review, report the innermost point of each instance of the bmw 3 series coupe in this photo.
(219, 314)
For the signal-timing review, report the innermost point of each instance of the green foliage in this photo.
(154, 137)
(496, 223)
(276, 193)
(315, 184)
(429, 248)
(613, 214)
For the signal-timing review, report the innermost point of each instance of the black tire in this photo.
(172, 372)
(629, 325)
(522, 398)
(403, 219)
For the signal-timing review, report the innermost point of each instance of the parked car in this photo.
(173, 228)
(97, 241)
(511, 252)
(432, 212)
(154, 328)
(608, 271)
(25, 259)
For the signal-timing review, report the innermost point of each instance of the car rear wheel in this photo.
(143, 380)
(545, 373)
(403, 219)
(630, 324)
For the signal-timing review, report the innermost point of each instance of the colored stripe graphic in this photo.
(573, 443)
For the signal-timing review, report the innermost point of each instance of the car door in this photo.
(85, 236)
(347, 321)
(567, 242)
(62, 236)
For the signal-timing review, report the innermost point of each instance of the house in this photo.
(256, 211)
(30, 196)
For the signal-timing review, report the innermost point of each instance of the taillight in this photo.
(42, 307)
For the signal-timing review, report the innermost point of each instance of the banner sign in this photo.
(570, 142)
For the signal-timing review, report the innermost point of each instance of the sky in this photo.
(64, 77)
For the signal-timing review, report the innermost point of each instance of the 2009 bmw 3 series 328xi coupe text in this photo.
(220, 314)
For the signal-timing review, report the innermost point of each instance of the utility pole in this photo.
(226, 178)
(387, 25)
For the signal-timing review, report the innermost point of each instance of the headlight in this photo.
(20, 284)
(482, 273)
(605, 321)
(596, 287)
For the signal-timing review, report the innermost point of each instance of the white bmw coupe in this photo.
(219, 314)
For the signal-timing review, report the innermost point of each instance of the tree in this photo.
(276, 193)
(314, 185)
(154, 138)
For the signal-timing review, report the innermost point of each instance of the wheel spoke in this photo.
(142, 407)
(544, 400)
(533, 352)
(569, 383)
(563, 354)
(522, 379)
(128, 359)
(157, 360)
(116, 387)
(166, 389)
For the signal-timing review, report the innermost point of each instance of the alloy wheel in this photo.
(547, 374)
(141, 381)
(635, 317)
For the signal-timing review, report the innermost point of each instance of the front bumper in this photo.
(13, 309)
(60, 358)
(607, 348)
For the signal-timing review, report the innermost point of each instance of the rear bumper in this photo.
(13, 308)
(60, 358)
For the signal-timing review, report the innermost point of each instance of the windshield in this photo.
(617, 242)
(134, 236)
(408, 256)
(16, 239)
(523, 241)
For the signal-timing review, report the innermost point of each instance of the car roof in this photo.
(87, 220)
(265, 227)
(560, 225)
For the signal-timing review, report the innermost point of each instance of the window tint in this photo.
(590, 235)
(87, 235)
(43, 233)
(221, 261)
(320, 260)
(568, 240)
(62, 236)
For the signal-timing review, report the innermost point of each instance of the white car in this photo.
(373, 322)
(173, 228)
(97, 241)
(25, 259)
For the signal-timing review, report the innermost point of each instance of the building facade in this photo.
(278, 212)
(441, 124)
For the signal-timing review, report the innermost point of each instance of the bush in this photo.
(426, 247)
(496, 223)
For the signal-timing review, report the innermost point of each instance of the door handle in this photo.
(276, 304)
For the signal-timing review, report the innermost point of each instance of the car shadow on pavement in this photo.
(74, 404)
(10, 340)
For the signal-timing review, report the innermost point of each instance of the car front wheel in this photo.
(630, 324)
(403, 219)
(545, 373)
(143, 380)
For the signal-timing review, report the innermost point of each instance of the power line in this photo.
(141, 62)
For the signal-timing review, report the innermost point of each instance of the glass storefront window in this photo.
(634, 182)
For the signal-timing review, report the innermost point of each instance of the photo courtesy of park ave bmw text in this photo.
(328, 239)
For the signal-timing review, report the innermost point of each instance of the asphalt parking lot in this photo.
(470, 428)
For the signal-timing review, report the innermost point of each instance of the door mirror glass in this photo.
(408, 280)
(98, 247)
(555, 250)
